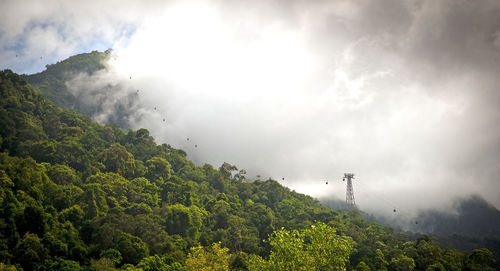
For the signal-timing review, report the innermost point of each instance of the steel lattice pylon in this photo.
(349, 194)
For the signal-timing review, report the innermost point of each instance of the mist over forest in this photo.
(404, 94)
(199, 107)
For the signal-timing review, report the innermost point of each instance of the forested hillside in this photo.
(52, 81)
(76, 195)
(474, 217)
(62, 83)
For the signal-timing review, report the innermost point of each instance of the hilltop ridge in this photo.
(52, 81)
(76, 194)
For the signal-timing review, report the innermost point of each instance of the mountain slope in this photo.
(78, 83)
(77, 196)
(473, 217)
(52, 81)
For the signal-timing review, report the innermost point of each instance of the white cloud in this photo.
(401, 93)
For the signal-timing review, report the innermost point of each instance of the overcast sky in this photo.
(405, 94)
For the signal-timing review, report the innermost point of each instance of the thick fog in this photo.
(405, 94)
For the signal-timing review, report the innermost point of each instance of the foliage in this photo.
(315, 248)
(76, 195)
(52, 81)
(214, 259)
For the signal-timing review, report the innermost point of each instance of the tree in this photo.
(214, 259)
(316, 248)
(73, 214)
(33, 220)
(55, 246)
(226, 170)
(328, 249)
(59, 264)
(176, 190)
(4, 267)
(453, 260)
(185, 221)
(157, 263)
(480, 259)
(362, 266)
(114, 255)
(115, 187)
(379, 261)
(117, 159)
(62, 174)
(131, 247)
(30, 252)
(143, 191)
(95, 200)
(158, 168)
(402, 263)
(5, 184)
(103, 264)
(427, 253)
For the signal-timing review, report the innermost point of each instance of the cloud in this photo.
(111, 100)
(56, 29)
(402, 93)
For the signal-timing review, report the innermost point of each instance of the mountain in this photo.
(77, 83)
(52, 81)
(472, 217)
(77, 195)
(471, 223)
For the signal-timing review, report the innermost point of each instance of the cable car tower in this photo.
(349, 194)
